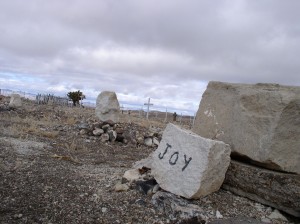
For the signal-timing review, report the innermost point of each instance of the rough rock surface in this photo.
(71, 178)
(15, 101)
(276, 189)
(188, 165)
(107, 106)
(238, 220)
(176, 207)
(260, 122)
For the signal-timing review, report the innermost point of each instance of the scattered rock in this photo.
(148, 142)
(98, 132)
(147, 162)
(105, 127)
(104, 210)
(119, 130)
(83, 131)
(155, 188)
(121, 187)
(265, 118)
(112, 135)
(111, 123)
(265, 220)
(83, 125)
(237, 220)
(140, 140)
(56, 177)
(146, 186)
(104, 137)
(120, 138)
(155, 141)
(189, 165)
(175, 207)
(276, 215)
(219, 215)
(18, 216)
(107, 106)
(140, 202)
(132, 175)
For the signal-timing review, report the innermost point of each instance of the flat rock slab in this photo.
(276, 189)
(260, 122)
(237, 220)
(188, 165)
(24, 147)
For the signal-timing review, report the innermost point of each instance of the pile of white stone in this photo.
(184, 163)
(109, 129)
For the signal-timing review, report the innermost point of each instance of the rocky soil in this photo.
(54, 168)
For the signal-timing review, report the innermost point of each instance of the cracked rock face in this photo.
(260, 122)
(188, 165)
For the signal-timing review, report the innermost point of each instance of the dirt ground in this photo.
(49, 173)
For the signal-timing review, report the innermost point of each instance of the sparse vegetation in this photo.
(76, 97)
(49, 173)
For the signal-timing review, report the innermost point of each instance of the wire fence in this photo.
(39, 98)
(153, 114)
(8, 92)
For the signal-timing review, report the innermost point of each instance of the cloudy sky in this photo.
(167, 50)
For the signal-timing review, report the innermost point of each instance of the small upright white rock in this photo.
(219, 215)
(188, 165)
(107, 106)
(15, 101)
(276, 215)
(132, 175)
(148, 142)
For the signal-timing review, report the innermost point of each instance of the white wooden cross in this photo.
(122, 108)
(148, 105)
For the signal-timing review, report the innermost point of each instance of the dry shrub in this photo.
(124, 118)
(71, 121)
(72, 146)
(49, 134)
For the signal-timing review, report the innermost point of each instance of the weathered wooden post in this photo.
(166, 115)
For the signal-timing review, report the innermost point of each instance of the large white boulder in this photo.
(15, 101)
(188, 165)
(107, 106)
(260, 122)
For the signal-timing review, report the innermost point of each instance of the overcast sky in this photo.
(164, 49)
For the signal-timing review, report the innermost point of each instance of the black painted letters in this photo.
(186, 162)
(174, 157)
(162, 156)
(170, 160)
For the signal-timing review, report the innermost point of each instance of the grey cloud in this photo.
(143, 48)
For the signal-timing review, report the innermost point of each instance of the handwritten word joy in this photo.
(174, 157)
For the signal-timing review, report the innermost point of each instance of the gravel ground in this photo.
(66, 178)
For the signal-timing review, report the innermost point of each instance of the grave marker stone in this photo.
(15, 101)
(188, 165)
(107, 106)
